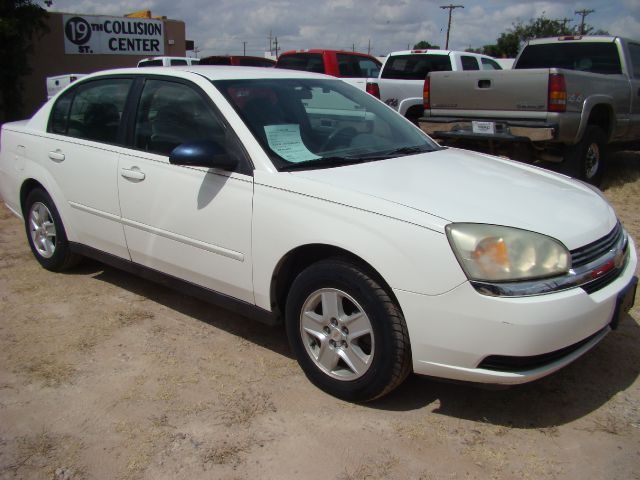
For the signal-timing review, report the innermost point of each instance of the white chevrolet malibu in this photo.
(297, 198)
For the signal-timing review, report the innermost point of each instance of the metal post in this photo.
(584, 12)
(450, 7)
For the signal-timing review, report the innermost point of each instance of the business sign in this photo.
(112, 35)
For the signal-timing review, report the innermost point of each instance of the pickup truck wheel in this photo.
(348, 335)
(586, 159)
(45, 233)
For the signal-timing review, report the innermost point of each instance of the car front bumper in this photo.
(465, 335)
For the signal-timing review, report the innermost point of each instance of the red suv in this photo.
(331, 62)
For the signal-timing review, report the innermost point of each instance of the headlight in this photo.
(492, 253)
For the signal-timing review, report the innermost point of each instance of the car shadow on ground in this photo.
(266, 336)
(573, 392)
(567, 395)
(622, 167)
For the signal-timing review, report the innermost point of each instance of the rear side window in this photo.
(178, 62)
(309, 62)
(255, 62)
(195, 62)
(92, 110)
(593, 57)
(150, 63)
(488, 64)
(355, 66)
(469, 63)
(634, 50)
(415, 67)
(215, 61)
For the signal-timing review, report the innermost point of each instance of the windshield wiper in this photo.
(395, 152)
(324, 162)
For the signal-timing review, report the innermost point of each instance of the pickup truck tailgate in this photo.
(490, 90)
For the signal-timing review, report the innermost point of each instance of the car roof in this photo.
(213, 72)
(323, 50)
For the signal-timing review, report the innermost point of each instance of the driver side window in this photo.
(170, 114)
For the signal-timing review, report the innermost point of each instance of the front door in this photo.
(193, 223)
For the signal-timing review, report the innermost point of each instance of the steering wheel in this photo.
(341, 134)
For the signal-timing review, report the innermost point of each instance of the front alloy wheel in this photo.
(337, 334)
(347, 332)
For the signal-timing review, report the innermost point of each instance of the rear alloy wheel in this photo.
(347, 333)
(46, 234)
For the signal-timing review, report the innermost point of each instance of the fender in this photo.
(588, 106)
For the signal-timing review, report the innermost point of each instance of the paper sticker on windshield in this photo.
(286, 141)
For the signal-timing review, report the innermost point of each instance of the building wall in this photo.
(49, 59)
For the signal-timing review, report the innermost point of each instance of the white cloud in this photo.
(223, 25)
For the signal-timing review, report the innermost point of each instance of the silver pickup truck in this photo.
(565, 100)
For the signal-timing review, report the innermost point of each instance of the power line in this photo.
(564, 22)
(584, 12)
(451, 8)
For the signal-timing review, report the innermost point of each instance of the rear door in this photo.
(81, 153)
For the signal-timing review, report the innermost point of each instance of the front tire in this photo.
(46, 234)
(347, 333)
(586, 159)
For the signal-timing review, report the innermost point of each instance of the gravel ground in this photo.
(105, 375)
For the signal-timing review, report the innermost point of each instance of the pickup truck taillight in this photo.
(425, 93)
(557, 93)
(373, 89)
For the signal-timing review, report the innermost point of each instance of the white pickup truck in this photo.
(401, 78)
(565, 100)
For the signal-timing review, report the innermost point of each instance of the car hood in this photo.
(461, 186)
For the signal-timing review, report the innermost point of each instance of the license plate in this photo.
(625, 302)
(486, 128)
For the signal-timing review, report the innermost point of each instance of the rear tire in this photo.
(348, 335)
(586, 159)
(46, 234)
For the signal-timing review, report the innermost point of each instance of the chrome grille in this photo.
(593, 251)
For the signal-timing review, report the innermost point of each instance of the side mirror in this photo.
(203, 153)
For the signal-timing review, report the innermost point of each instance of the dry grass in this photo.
(51, 371)
(370, 468)
(608, 424)
(242, 407)
(44, 455)
(227, 453)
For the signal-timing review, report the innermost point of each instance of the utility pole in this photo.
(564, 22)
(196, 50)
(353, 47)
(270, 42)
(275, 42)
(369, 48)
(244, 48)
(449, 7)
(584, 12)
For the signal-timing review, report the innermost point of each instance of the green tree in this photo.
(423, 45)
(510, 42)
(21, 21)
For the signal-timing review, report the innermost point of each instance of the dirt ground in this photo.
(104, 375)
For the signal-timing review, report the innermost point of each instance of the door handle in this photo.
(56, 155)
(133, 173)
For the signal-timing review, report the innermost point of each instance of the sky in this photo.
(381, 26)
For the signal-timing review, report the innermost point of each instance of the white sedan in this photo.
(297, 198)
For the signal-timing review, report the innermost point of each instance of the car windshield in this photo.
(309, 123)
